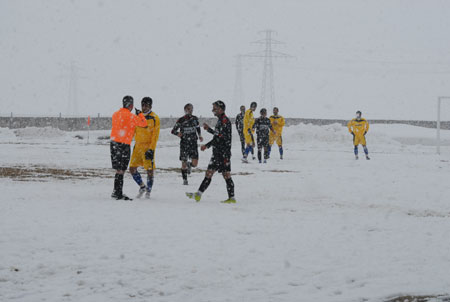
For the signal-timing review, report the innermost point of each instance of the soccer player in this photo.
(358, 127)
(221, 154)
(249, 132)
(189, 133)
(144, 148)
(263, 127)
(240, 127)
(123, 125)
(277, 124)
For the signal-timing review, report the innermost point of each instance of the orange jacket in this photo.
(123, 125)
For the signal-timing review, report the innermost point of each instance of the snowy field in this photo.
(317, 226)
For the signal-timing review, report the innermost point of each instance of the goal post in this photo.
(438, 122)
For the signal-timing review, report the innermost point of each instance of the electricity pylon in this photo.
(268, 90)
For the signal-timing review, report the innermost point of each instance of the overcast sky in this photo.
(389, 59)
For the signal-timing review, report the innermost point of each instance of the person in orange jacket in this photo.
(123, 125)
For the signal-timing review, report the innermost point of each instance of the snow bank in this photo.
(33, 132)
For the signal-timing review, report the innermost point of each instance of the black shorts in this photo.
(262, 141)
(188, 151)
(120, 155)
(219, 163)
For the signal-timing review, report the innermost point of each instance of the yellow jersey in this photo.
(150, 134)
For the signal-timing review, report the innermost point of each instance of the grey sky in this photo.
(390, 59)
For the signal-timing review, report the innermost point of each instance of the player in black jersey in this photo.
(187, 128)
(263, 126)
(221, 154)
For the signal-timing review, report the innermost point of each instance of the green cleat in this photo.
(195, 196)
(229, 200)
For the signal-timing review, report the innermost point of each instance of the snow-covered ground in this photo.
(317, 226)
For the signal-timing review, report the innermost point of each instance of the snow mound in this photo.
(334, 133)
(35, 132)
(7, 135)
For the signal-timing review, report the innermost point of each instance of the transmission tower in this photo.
(268, 90)
(238, 94)
(74, 77)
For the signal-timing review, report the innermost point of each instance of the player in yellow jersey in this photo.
(144, 148)
(277, 122)
(249, 132)
(358, 127)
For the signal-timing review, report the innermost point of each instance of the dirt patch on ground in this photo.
(44, 173)
(420, 299)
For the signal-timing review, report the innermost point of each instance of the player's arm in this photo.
(139, 120)
(155, 135)
(282, 122)
(175, 128)
(367, 127)
(271, 127)
(349, 126)
(198, 129)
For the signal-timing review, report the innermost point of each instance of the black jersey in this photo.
(221, 142)
(189, 127)
(240, 122)
(262, 126)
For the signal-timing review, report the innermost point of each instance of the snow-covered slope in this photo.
(316, 226)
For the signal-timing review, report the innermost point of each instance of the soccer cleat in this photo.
(356, 157)
(195, 196)
(367, 157)
(185, 182)
(260, 161)
(281, 156)
(123, 197)
(244, 160)
(141, 192)
(147, 195)
(114, 195)
(254, 157)
(229, 200)
(265, 161)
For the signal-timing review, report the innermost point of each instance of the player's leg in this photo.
(280, 145)
(242, 138)
(150, 180)
(184, 163)
(226, 172)
(366, 151)
(137, 160)
(259, 143)
(120, 157)
(355, 146)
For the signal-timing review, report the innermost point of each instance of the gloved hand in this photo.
(137, 111)
(353, 133)
(249, 131)
(150, 154)
(365, 132)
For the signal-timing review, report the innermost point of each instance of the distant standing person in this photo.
(358, 127)
(221, 154)
(124, 124)
(240, 127)
(249, 132)
(144, 148)
(263, 127)
(187, 128)
(277, 136)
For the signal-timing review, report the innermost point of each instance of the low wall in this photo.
(104, 123)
